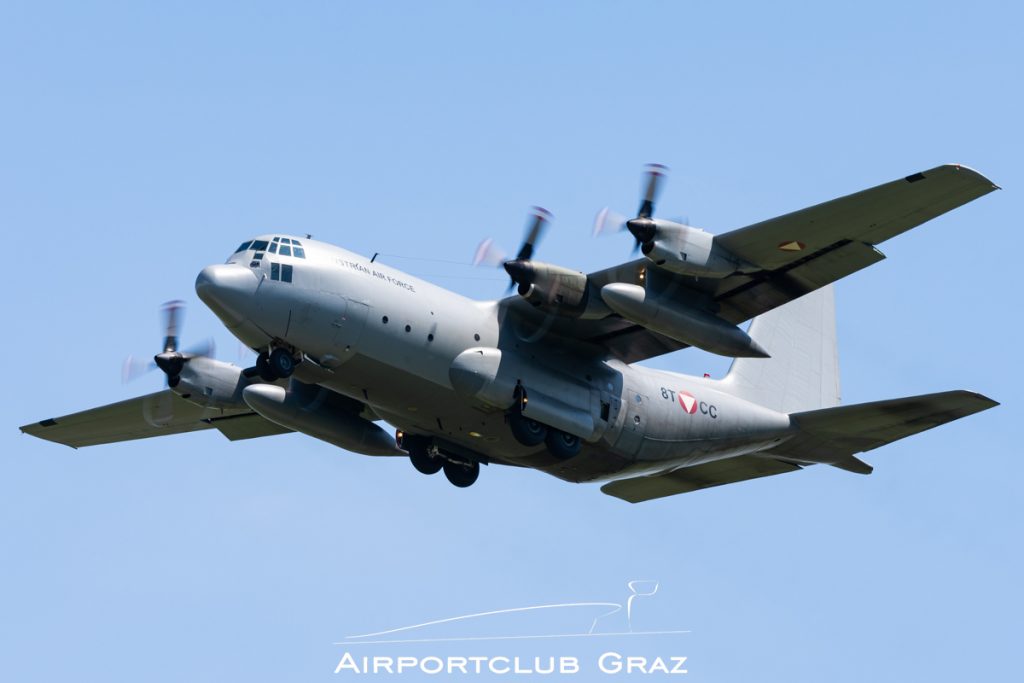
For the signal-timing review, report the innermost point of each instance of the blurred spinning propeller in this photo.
(170, 360)
(519, 269)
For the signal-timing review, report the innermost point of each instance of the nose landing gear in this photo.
(278, 364)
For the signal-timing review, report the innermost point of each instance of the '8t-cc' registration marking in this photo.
(689, 403)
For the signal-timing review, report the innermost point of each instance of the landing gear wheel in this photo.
(526, 431)
(561, 445)
(424, 462)
(461, 474)
(264, 369)
(282, 363)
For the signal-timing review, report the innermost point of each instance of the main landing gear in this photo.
(425, 457)
(531, 433)
(278, 364)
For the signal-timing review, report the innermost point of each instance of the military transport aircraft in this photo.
(546, 378)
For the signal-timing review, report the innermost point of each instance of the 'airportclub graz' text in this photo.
(610, 663)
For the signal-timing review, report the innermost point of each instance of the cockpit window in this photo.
(281, 271)
(276, 245)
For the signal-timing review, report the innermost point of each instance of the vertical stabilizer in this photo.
(803, 371)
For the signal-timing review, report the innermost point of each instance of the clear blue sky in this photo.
(142, 141)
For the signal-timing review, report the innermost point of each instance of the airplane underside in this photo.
(548, 378)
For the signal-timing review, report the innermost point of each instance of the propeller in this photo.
(170, 360)
(519, 269)
(642, 227)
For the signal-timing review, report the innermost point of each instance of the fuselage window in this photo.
(281, 271)
(299, 252)
(259, 245)
(286, 250)
(245, 245)
(258, 256)
(273, 248)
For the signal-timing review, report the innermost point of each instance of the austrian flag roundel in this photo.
(688, 402)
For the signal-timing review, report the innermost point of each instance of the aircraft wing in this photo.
(787, 257)
(157, 414)
(807, 249)
(687, 479)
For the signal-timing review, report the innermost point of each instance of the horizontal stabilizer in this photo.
(687, 479)
(828, 436)
(833, 435)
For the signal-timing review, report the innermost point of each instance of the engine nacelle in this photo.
(557, 290)
(319, 413)
(688, 251)
(680, 322)
(211, 383)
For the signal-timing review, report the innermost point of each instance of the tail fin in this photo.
(803, 371)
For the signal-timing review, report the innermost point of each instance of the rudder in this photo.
(803, 371)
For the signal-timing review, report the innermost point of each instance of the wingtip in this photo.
(973, 171)
(982, 398)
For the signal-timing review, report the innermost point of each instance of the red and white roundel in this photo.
(687, 401)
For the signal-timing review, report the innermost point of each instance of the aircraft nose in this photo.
(228, 289)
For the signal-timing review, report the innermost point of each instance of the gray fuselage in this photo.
(435, 363)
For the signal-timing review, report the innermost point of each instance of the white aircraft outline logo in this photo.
(636, 590)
